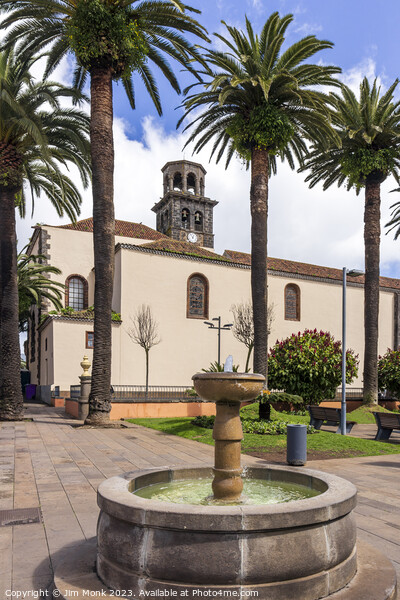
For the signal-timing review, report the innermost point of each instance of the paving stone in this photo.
(59, 468)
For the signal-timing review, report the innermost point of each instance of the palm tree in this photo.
(369, 130)
(34, 285)
(38, 139)
(261, 103)
(111, 39)
(394, 222)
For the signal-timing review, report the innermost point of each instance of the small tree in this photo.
(309, 364)
(389, 372)
(243, 325)
(144, 331)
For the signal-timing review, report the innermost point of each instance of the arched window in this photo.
(292, 302)
(197, 297)
(76, 292)
(185, 218)
(191, 183)
(198, 220)
(178, 182)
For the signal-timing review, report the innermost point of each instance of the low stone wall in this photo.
(71, 407)
(148, 410)
(58, 402)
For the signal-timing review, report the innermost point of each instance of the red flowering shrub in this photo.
(309, 364)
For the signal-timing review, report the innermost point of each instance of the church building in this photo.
(175, 271)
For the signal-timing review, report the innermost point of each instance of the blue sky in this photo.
(358, 28)
(324, 228)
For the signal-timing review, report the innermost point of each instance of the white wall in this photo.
(187, 345)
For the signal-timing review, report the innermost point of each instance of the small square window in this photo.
(89, 340)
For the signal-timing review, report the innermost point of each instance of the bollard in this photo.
(296, 449)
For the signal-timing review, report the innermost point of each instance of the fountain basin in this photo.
(301, 549)
(228, 387)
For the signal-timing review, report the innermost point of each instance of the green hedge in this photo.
(252, 426)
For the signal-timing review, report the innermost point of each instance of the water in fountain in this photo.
(228, 366)
(198, 491)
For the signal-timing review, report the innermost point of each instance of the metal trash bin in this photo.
(296, 449)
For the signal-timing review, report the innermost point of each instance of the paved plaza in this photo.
(49, 463)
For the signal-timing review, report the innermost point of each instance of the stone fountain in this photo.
(303, 549)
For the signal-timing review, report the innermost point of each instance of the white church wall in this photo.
(321, 308)
(72, 252)
(70, 342)
(187, 345)
(47, 354)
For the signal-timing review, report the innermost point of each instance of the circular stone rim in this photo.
(115, 497)
(229, 375)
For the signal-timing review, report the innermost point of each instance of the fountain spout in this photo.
(228, 366)
(227, 390)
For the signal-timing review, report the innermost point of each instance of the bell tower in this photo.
(184, 212)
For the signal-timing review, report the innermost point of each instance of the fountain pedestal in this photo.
(228, 434)
(227, 390)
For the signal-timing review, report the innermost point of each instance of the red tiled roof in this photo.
(291, 266)
(122, 228)
(178, 247)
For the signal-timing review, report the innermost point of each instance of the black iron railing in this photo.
(178, 393)
(356, 393)
(74, 391)
(155, 393)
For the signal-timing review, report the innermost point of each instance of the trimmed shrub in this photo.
(253, 426)
(389, 372)
(309, 365)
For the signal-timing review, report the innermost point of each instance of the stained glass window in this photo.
(292, 302)
(197, 297)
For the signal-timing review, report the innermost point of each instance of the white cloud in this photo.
(308, 28)
(366, 68)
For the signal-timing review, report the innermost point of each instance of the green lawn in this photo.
(323, 441)
(364, 416)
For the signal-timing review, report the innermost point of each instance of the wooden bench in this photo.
(329, 416)
(386, 423)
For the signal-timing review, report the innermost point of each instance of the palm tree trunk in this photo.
(259, 290)
(102, 153)
(11, 402)
(372, 232)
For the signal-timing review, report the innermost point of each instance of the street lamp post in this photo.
(350, 273)
(219, 328)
